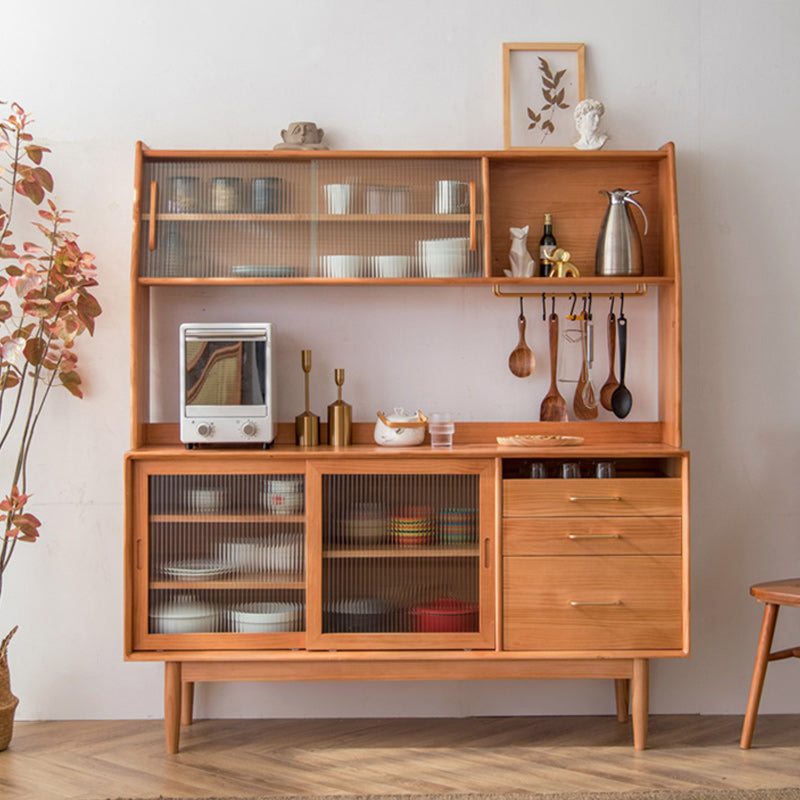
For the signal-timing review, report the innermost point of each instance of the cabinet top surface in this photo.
(488, 450)
(512, 155)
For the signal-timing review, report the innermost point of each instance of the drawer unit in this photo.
(581, 536)
(592, 603)
(615, 497)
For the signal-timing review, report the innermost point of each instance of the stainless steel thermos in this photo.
(619, 247)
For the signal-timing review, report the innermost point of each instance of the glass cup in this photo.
(605, 469)
(537, 470)
(570, 469)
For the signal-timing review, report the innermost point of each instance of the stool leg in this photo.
(759, 671)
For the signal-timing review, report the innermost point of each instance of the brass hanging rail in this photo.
(639, 290)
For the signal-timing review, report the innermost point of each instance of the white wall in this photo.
(717, 78)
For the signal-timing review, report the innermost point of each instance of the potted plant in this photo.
(45, 304)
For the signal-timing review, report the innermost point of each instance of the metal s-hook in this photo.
(622, 304)
(571, 314)
(544, 307)
(611, 310)
(553, 304)
(521, 310)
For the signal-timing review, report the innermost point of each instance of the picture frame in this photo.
(542, 83)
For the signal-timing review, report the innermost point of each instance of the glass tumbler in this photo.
(570, 469)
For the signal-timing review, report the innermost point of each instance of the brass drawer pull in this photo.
(612, 498)
(594, 536)
(576, 603)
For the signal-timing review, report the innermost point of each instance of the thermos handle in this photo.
(629, 199)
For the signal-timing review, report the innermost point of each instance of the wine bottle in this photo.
(546, 246)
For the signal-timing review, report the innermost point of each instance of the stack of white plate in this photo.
(266, 617)
(196, 569)
(443, 258)
(282, 553)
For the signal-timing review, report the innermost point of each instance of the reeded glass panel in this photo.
(333, 218)
(400, 553)
(214, 219)
(227, 553)
(399, 218)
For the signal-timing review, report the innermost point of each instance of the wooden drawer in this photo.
(587, 536)
(592, 603)
(614, 497)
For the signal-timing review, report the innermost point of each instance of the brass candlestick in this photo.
(340, 427)
(306, 425)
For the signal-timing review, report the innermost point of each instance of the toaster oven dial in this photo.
(249, 428)
(205, 429)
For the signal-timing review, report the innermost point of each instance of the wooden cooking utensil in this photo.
(554, 406)
(521, 362)
(585, 404)
(610, 386)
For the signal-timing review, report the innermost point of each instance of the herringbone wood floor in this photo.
(244, 758)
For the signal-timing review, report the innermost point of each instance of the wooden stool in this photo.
(774, 594)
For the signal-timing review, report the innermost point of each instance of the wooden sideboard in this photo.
(402, 563)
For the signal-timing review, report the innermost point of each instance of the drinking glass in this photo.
(570, 469)
(605, 469)
(537, 470)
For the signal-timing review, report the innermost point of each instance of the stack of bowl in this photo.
(455, 525)
(266, 617)
(365, 525)
(183, 614)
(283, 495)
(411, 526)
(356, 615)
(445, 615)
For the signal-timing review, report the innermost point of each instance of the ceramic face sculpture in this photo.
(587, 120)
(302, 136)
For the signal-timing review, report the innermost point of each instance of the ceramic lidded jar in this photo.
(400, 429)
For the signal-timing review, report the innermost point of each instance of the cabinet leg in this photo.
(172, 705)
(622, 691)
(759, 671)
(640, 701)
(187, 703)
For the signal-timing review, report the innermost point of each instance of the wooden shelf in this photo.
(397, 551)
(280, 581)
(233, 518)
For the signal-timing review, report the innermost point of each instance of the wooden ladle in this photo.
(554, 406)
(521, 362)
(610, 386)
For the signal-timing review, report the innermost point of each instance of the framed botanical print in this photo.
(542, 83)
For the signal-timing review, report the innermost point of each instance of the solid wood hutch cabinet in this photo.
(401, 563)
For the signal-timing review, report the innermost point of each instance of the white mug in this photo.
(339, 198)
(451, 197)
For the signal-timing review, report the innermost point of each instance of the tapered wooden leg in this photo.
(187, 703)
(759, 671)
(172, 705)
(640, 701)
(622, 690)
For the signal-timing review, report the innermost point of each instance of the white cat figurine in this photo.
(521, 262)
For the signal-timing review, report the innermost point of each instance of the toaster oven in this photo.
(227, 387)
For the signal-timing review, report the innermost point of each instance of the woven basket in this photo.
(8, 703)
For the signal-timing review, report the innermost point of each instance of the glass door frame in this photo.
(485, 636)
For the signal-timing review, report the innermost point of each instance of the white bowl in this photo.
(342, 266)
(183, 615)
(392, 266)
(265, 617)
(206, 500)
(282, 502)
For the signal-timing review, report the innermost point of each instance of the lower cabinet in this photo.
(595, 564)
(258, 553)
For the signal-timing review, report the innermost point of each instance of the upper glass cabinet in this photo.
(335, 219)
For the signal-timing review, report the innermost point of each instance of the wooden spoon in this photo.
(554, 406)
(521, 362)
(584, 404)
(610, 386)
(621, 400)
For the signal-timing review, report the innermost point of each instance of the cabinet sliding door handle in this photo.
(486, 553)
(473, 224)
(607, 498)
(578, 603)
(151, 241)
(593, 536)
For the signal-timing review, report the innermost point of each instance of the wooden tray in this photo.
(539, 440)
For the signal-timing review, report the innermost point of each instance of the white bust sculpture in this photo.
(587, 120)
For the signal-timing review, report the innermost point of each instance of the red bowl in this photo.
(446, 615)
